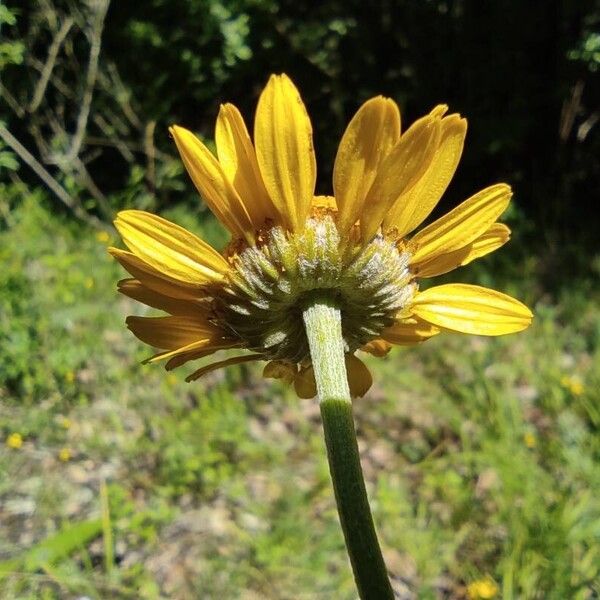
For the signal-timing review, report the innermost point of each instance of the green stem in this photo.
(322, 320)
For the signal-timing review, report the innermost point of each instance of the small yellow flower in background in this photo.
(14, 441)
(572, 384)
(530, 440)
(64, 422)
(89, 283)
(69, 377)
(65, 454)
(482, 589)
(577, 388)
(288, 244)
(103, 237)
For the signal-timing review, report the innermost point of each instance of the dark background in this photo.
(525, 74)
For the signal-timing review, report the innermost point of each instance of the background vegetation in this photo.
(482, 456)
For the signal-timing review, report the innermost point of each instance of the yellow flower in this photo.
(14, 441)
(69, 377)
(482, 589)
(64, 422)
(287, 244)
(530, 440)
(576, 388)
(65, 454)
(103, 237)
(573, 384)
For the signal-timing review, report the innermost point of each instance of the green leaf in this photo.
(54, 548)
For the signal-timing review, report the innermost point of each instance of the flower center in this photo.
(270, 284)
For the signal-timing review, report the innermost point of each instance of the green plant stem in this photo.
(322, 320)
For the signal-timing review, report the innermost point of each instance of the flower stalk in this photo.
(323, 323)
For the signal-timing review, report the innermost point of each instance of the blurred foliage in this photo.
(482, 455)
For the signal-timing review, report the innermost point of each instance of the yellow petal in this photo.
(154, 279)
(236, 360)
(201, 348)
(238, 161)
(325, 202)
(280, 369)
(359, 377)
(169, 248)
(409, 331)
(413, 207)
(132, 288)
(471, 309)
(304, 383)
(378, 348)
(369, 137)
(400, 170)
(495, 237)
(180, 358)
(212, 183)
(284, 149)
(174, 332)
(462, 225)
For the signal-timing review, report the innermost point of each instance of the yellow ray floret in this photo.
(213, 184)
(471, 309)
(284, 149)
(462, 225)
(495, 237)
(368, 139)
(170, 248)
(238, 161)
(403, 166)
(413, 207)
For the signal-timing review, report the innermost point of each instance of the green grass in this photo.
(481, 459)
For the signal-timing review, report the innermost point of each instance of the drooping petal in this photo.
(413, 207)
(304, 383)
(471, 309)
(461, 225)
(280, 369)
(153, 279)
(198, 349)
(182, 357)
(213, 185)
(400, 170)
(238, 161)
(284, 149)
(371, 134)
(409, 331)
(236, 360)
(173, 332)
(495, 237)
(169, 248)
(132, 288)
(378, 348)
(359, 379)
(359, 376)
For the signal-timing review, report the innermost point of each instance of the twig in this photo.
(91, 74)
(52, 184)
(150, 155)
(42, 84)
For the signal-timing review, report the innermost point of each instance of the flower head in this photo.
(482, 589)
(14, 441)
(288, 244)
